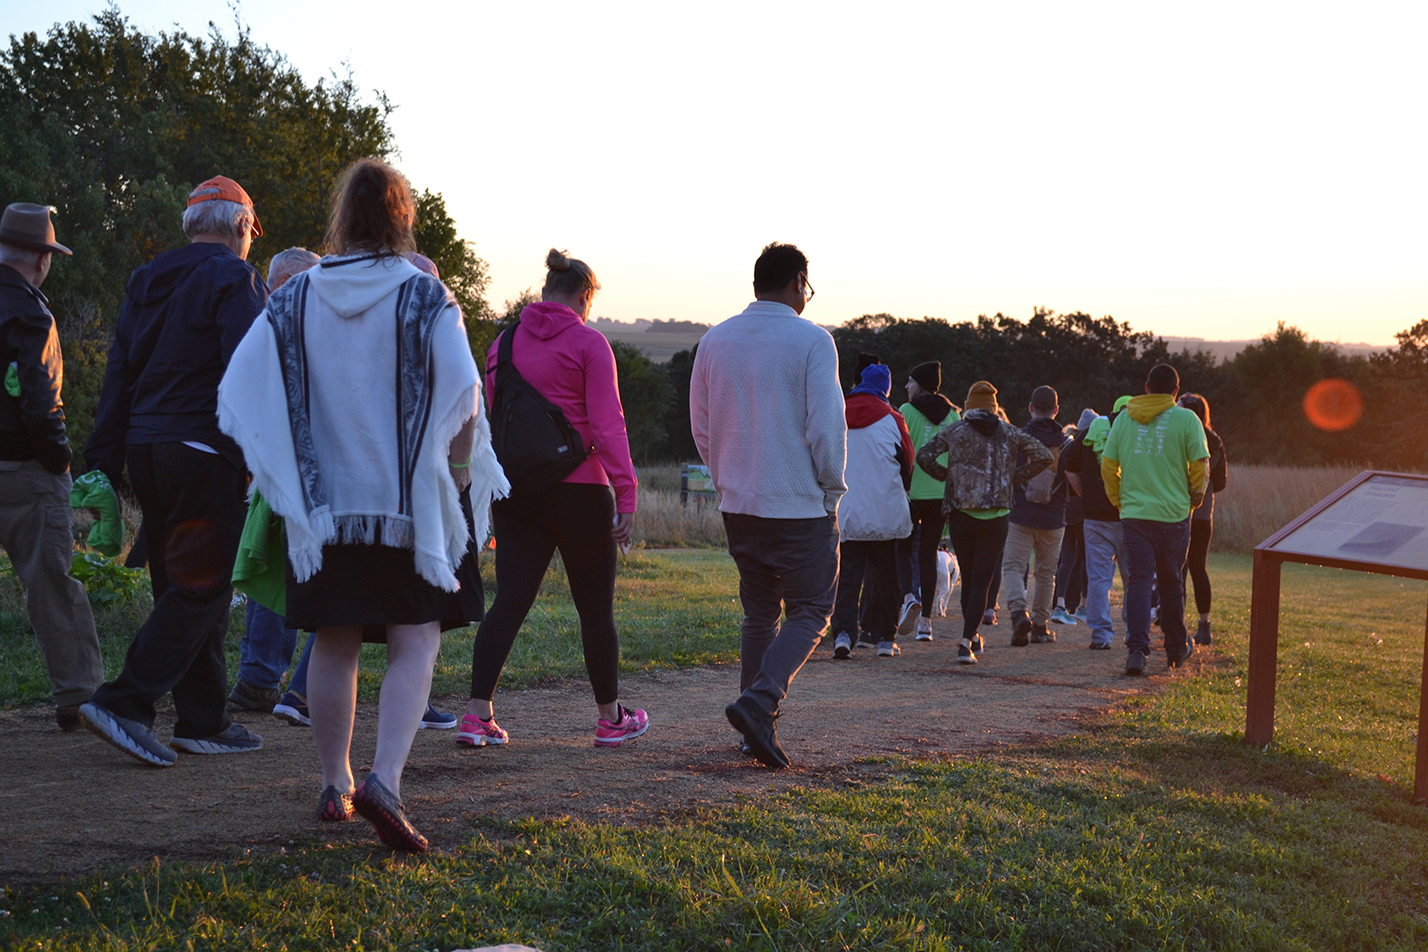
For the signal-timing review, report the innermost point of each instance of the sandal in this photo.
(385, 812)
(334, 807)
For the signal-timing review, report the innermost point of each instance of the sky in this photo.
(1196, 170)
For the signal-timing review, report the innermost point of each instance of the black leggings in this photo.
(978, 544)
(575, 518)
(926, 514)
(1200, 532)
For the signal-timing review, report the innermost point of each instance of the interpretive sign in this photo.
(1376, 522)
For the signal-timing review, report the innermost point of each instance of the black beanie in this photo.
(928, 375)
(864, 362)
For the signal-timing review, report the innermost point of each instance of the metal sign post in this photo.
(1376, 522)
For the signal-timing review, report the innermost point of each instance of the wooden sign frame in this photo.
(1264, 620)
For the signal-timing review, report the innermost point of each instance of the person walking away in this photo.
(1071, 570)
(34, 463)
(767, 416)
(572, 366)
(875, 517)
(926, 412)
(1154, 469)
(1100, 527)
(1202, 520)
(979, 475)
(379, 518)
(181, 319)
(1036, 523)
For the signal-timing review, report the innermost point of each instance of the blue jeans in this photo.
(1156, 554)
(1105, 547)
(299, 682)
(267, 647)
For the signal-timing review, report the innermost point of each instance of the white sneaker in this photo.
(924, 629)
(911, 610)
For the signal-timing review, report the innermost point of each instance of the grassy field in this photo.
(1156, 829)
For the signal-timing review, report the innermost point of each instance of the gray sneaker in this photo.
(133, 738)
(1135, 663)
(233, 739)
(250, 697)
(888, 649)
(842, 646)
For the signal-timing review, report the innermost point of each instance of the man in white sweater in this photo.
(766, 411)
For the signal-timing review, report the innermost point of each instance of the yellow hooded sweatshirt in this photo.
(1143, 409)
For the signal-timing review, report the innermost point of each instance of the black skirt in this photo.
(377, 585)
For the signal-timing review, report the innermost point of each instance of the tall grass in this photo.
(1260, 500)
(662, 521)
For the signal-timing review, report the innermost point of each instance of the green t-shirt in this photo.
(921, 430)
(1153, 458)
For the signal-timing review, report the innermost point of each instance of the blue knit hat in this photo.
(877, 379)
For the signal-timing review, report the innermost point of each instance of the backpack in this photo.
(1042, 487)
(534, 442)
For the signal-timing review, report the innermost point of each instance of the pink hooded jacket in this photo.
(573, 367)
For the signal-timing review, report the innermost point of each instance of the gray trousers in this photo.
(786, 567)
(34, 530)
(1021, 542)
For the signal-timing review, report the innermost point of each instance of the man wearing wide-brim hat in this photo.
(182, 317)
(34, 463)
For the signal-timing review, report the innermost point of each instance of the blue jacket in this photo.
(182, 317)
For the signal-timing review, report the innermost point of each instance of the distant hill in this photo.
(1227, 349)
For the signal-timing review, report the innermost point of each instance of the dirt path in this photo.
(73, 805)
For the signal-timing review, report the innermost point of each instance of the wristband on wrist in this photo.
(459, 465)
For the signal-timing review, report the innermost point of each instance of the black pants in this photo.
(1071, 570)
(927, 521)
(978, 544)
(193, 517)
(1200, 532)
(574, 518)
(857, 560)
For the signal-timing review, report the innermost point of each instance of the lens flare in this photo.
(1333, 405)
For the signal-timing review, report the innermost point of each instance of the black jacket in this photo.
(182, 317)
(32, 424)
(1047, 515)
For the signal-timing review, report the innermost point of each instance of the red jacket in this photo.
(573, 367)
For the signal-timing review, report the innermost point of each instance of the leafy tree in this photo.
(646, 394)
(679, 438)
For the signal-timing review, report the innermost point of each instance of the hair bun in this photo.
(557, 260)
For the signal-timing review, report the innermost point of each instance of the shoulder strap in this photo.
(503, 352)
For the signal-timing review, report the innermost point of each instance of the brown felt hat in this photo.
(982, 396)
(28, 226)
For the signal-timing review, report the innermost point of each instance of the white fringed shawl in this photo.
(344, 396)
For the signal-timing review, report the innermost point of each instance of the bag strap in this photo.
(504, 351)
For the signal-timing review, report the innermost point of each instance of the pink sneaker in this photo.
(630, 726)
(478, 733)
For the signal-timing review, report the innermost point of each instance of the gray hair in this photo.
(218, 216)
(23, 259)
(286, 264)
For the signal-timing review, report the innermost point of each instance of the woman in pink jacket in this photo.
(573, 367)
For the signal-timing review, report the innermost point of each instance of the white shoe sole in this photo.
(924, 636)
(429, 726)
(480, 740)
(286, 712)
(102, 724)
(191, 745)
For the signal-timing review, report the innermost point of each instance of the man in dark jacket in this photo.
(1038, 521)
(34, 463)
(182, 317)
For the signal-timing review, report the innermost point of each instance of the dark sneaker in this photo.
(965, 655)
(978, 646)
(1202, 634)
(1135, 663)
(67, 717)
(248, 697)
(334, 807)
(989, 617)
(888, 649)
(1176, 660)
(1021, 628)
(133, 738)
(233, 739)
(842, 646)
(759, 730)
(911, 610)
(434, 720)
(293, 709)
(1041, 635)
(1100, 646)
(387, 814)
(866, 640)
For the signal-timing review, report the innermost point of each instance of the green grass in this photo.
(1156, 829)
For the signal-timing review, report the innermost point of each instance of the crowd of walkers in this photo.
(324, 440)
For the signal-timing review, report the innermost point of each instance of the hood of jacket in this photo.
(1148, 406)
(352, 285)
(984, 422)
(156, 281)
(545, 319)
(865, 409)
(934, 406)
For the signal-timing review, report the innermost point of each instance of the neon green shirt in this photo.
(1153, 457)
(921, 430)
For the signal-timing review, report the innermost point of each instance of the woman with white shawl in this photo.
(357, 404)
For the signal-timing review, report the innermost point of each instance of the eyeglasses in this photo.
(807, 289)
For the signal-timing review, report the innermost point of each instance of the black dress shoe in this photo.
(757, 726)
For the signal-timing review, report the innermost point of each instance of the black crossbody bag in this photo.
(534, 442)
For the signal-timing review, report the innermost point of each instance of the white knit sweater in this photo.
(767, 414)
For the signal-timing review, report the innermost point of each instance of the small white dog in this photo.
(947, 576)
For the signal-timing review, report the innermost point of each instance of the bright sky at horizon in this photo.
(1195, 171)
